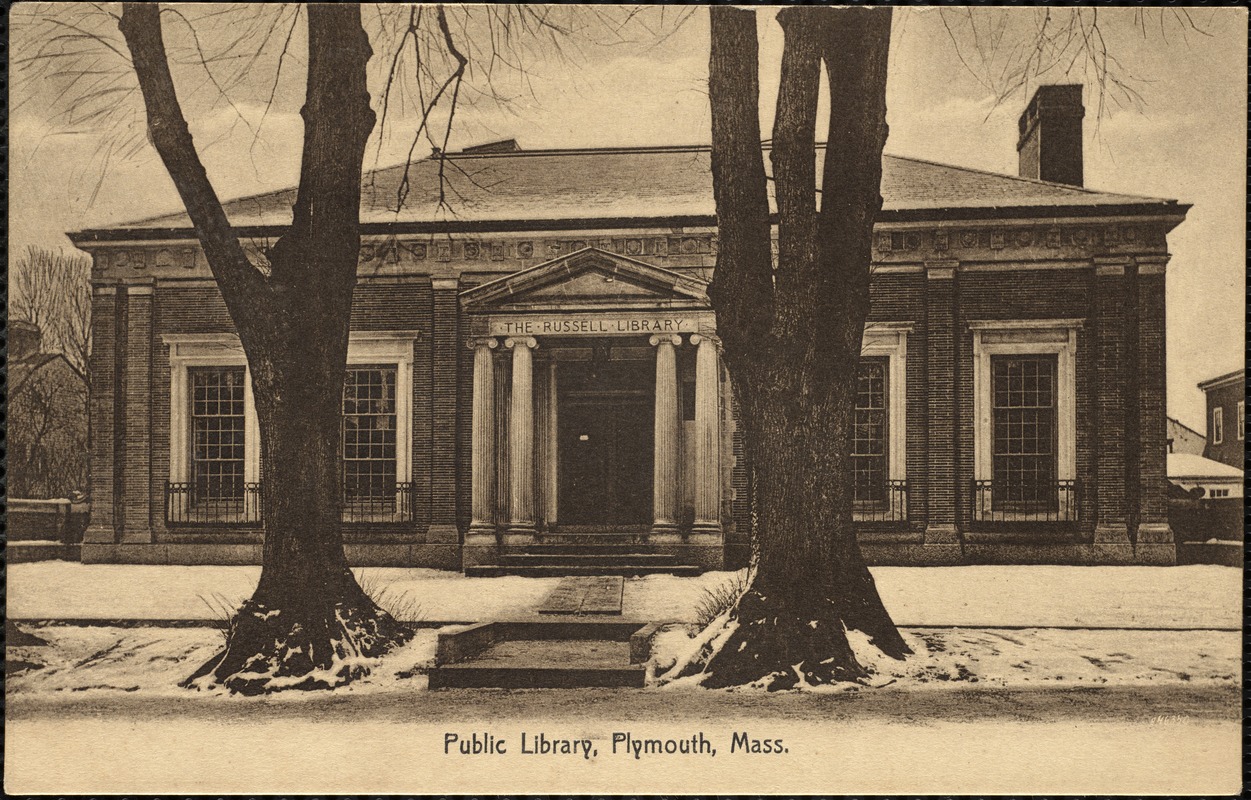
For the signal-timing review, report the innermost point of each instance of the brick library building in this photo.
(534, 381)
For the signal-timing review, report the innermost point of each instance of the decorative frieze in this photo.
(1094, 236)
(908, 244)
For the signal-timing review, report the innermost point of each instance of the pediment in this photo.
(588, 279)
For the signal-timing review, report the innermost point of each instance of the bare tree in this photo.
(47, 429)
(52, 289)
(792, 334)
(792, 327)
(309, 623)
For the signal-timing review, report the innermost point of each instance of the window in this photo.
(1025, 421)
(369, 440)
(869, 432)
(1242, 420)
(1023, 403)
(1218, 425)
(1220, 493)
(214, 439)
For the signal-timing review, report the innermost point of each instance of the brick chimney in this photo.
(1050, 143)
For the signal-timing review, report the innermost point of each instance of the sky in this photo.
(1181, 135)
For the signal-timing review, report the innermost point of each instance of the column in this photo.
(521, 517)
(1153, 541)
(665, 440)
(942, 537)
(1111, 540)
(480, 544)
(707, 437)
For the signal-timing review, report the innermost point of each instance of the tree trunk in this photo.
(792, 334)
(309, 624)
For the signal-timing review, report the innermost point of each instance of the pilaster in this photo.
(942, 534)
(443, 399)
(137, 481)
(1111, 541)
(104, 349)
(1153, 541)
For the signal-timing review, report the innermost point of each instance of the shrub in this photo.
(721, 597)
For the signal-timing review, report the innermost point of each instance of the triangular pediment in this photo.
(589, 279)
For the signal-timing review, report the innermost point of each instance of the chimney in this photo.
(1050, 144)
(24, 340)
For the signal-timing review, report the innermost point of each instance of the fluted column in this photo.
(483, 453)
(521, 517)
(665, 440)
(707, 437)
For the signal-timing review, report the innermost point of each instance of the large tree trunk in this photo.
(792, 334)
(309, 624)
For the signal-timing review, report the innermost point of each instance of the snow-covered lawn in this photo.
(1029, 657)
(974, 596)
(154, 660)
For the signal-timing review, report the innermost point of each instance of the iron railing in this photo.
(393, 503)
(891, 506)
(996, 501)
(220, 502)
(238, 504)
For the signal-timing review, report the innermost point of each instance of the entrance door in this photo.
(605, 447)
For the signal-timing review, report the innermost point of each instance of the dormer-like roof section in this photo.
(506, 188)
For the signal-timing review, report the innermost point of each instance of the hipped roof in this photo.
(541, 189)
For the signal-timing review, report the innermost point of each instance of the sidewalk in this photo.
(1191, 597)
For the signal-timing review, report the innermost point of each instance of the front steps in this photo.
(590, 554)
(548, 653)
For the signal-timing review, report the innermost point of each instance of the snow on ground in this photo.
(973, 596)
(154, 660)
(1031, 657)
(69, 590)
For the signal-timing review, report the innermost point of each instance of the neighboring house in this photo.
(1184, 439)
(47, 419)
(1201, 477)
(504, 365)
(1226, 400)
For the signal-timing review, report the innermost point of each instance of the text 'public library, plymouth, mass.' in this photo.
(541, 369)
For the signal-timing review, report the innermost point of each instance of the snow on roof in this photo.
(1189, 465)
(636, 182)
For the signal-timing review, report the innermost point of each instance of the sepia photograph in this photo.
(625, 399)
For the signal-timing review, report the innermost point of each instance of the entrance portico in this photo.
(597, 406)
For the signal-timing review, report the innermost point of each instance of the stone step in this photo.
(477, 676)
(544, 664)
(558, 570)
(584, 559)
(586, 548)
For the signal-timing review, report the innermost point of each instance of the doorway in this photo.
(605, 431)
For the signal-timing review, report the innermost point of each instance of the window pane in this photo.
(1023, 401)
(369, 435)
(217, 434)
(869, 432)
